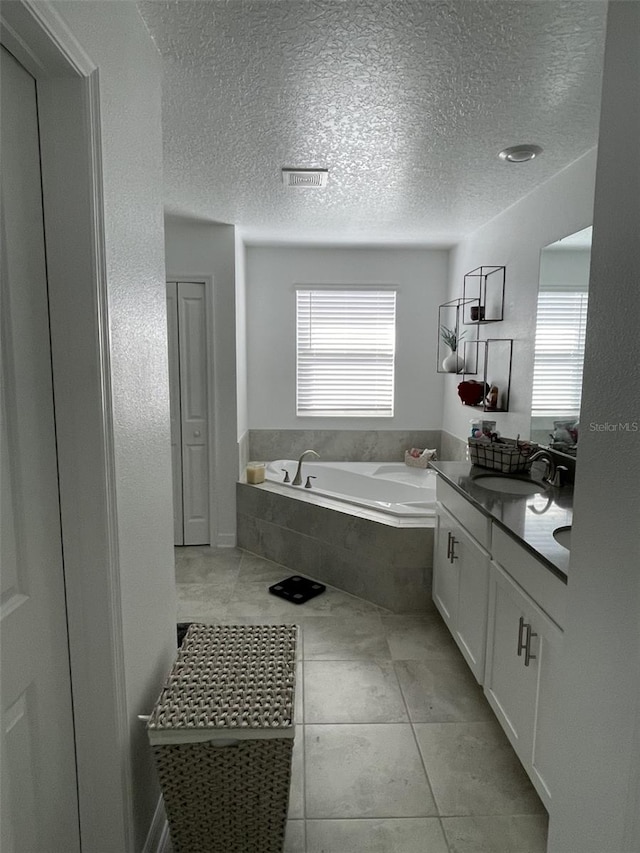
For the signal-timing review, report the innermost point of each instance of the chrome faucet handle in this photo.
(558, 477)
(311, 477)
(287, 478)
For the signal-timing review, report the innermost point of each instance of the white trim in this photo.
(158, 838)
(40, 40)
(207, 280)
(109, 458)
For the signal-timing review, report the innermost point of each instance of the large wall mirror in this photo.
(559, 349)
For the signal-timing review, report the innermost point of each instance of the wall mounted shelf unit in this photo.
(492, 358)
(483, 295)
(450, 316)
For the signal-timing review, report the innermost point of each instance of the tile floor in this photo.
(396, 749)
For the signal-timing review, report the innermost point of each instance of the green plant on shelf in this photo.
(451, 338)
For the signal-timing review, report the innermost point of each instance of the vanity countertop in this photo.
(530, 519)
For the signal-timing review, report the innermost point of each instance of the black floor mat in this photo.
(297, 589)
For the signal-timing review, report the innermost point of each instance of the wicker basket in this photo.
(421, 461)
(507, 455)
(222, 738)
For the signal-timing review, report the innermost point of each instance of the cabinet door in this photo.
(473, 590)
(545, 729)
(522, 687)
(509, 685)
(460, 587)
(445, 570)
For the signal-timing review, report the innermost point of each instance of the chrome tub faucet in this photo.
(297, 480)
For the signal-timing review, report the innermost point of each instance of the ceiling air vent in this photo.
(305, 178)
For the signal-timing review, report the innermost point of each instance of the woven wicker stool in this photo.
(222, 737)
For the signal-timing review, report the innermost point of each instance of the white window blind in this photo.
(345, 351)
(559, 353)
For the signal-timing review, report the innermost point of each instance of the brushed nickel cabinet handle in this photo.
(527, 652)
(449, 545)
(454, 542)
(521, 645)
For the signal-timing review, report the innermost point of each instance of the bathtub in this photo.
(364, 527)
(390, 488)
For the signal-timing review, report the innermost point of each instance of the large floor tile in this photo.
(294, 840)
(511, 834)
(344, 638)
(441, 691)
(201, 603)
(391, 835)
(364, 771)
(256, 568)
(206, 565)
(358, 691)
(474, 771)
(419, 638)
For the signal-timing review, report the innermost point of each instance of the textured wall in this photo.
(560, 207)
(420, 275)
(598, 749)
(130, 102)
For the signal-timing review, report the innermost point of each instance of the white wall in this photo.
(272, 272)
(598, 749)
(196, 248)
(130, 103)
(560, 207)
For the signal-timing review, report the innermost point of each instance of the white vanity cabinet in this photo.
(505, 610)
(461, 574)
(523, 647)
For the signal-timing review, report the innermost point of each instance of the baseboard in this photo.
(158, 838)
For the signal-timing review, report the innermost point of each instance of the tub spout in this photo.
(297, 480)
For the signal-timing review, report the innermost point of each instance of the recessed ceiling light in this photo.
(305, 178)
(520, 153)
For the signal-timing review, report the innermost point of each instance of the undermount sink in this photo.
(510, 485)
(562, 535)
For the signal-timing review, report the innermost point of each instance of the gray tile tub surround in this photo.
(389, 566)
(340, 445)
(453, 449)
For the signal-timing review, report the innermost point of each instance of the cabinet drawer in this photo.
(478, 525)
(547, 590)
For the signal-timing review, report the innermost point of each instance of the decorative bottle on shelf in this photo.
(453, 363)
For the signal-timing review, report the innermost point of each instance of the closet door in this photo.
(174, 392)
(186, 305)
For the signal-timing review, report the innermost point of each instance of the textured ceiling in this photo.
(406, 102)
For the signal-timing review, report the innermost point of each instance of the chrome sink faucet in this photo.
(551, 465)
(297, 480)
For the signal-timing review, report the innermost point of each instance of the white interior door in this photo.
(187, 332)
(39, 790)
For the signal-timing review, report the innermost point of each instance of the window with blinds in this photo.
(559, 353)
(346, 340)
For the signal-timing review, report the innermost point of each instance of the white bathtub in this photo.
(388, 487)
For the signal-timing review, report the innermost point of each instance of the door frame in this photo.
(213, 432)
(68, 87)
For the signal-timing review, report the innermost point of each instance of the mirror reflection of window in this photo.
(560, 338)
